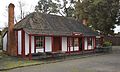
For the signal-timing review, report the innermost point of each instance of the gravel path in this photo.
(103, 63)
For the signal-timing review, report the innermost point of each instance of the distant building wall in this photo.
(115, 40)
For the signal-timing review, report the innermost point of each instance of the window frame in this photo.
(89, 42)
(39, 42)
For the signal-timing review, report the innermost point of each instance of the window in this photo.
(89, 41)
(71, 42)
(76, 42)
(39, 42)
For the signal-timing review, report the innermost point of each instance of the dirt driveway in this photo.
(103, 63)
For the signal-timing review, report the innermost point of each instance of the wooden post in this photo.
(23, 43)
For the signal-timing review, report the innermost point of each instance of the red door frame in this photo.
(53, 42)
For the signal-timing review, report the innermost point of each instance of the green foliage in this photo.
(102, 15)
(107, 43)
(62, 7)
(47, 6)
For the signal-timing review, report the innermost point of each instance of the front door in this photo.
(56, 44)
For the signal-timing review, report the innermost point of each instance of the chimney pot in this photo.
(11, 5)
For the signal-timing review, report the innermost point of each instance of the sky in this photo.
(29, 7)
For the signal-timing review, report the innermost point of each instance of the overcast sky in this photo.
(29, 7)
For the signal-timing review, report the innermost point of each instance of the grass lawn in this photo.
(7, 62)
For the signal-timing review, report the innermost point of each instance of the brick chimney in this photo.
(12, 48)
(84, 21)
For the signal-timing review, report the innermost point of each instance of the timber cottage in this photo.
(39, 32)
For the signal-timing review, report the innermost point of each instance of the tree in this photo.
(62, 7)
(67, 8)
(21, 6)
(101, 14)
(47, 6)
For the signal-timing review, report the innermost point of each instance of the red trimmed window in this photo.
(89, 41)
(39, 42)
(76, 42)
(71, 42)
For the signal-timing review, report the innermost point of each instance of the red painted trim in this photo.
(30, 55)
(54, 35)
(17, 41)
(23, 43)
(61, 43)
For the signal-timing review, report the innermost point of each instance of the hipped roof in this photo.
(39, 23)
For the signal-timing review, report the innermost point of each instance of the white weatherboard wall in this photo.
(64, 43)
(5, 42)
(85, 45)
(48, 44)
(40, 50)
(19, 42)
(76, 48)
(32, 44)
(27, 44)
(91, 46)
(93, 42)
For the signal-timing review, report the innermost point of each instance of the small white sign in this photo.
(97, 36)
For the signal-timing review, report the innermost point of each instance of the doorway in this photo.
(56, 44)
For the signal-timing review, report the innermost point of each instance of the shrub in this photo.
(107, 43)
